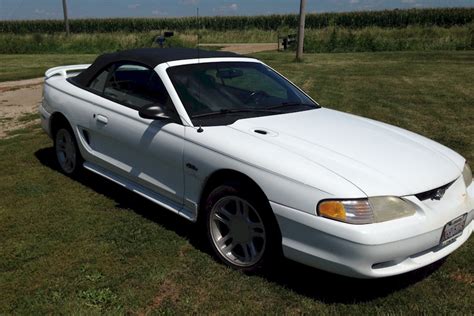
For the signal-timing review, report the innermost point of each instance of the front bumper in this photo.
(376, 250)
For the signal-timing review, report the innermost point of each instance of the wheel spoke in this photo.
(253, 251)
(222, 241)
(246, 252)
(245, 212)
(256, 225)
(257, 229)
(222, 210)
(70, 154)
(61, 145)
(238, 207)
(228, 248)
(242, 209)
(258, 234)
(221, 219)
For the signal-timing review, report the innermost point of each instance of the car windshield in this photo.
(221, 93)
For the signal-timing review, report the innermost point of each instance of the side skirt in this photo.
(140, 190)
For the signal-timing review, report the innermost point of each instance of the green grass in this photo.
(29, 117)
(372, 39)
(329, 39)
(88, 247)
(16, 67)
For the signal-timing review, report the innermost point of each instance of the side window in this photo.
(98, 83)
(136, 86)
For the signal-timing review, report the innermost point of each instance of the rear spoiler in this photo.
(66, 71)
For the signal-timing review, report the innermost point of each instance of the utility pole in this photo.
(299, 51)
(66, 20)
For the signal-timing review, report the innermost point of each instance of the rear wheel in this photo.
(67, 153)
(240, 228)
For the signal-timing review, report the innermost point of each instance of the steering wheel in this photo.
(256, 96)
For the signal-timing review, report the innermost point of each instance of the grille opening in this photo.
(434, 194)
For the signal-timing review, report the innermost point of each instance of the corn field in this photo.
(386, 19)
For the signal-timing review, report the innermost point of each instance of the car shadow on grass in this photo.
(332, 288)
(310, 282)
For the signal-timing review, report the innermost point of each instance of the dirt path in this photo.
(17, 99)
(245, 48)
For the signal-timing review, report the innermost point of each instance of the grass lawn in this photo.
(16, 67)
(89, 246)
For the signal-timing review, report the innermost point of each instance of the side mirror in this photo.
(154, 112)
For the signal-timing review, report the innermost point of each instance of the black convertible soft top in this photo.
(150, 57)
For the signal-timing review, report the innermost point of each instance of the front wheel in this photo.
(240, 228)
(67, 153)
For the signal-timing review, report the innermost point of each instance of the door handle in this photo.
(101, 119)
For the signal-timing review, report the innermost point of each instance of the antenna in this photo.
(199, 130)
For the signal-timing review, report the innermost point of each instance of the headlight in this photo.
(367, 211)
(467, 175)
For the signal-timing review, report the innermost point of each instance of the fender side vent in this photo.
(86, 136)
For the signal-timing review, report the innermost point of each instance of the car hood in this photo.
(378, 158)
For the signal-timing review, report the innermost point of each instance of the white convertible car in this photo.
(227, 141)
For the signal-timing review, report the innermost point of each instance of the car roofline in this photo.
(210, 60)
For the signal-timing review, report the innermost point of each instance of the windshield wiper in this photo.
(230, 111)
(285, 104)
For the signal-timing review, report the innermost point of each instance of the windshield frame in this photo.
(232, 116)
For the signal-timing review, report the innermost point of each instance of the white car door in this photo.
(148, 152)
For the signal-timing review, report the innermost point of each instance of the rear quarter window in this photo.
(98, 83)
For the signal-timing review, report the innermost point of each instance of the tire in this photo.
(241, 228)
(68, 157)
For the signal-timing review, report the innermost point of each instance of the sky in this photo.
(52, 9)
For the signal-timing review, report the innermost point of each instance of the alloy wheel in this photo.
(65, 151)
(237, 231)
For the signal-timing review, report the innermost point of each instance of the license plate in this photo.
(453, 229)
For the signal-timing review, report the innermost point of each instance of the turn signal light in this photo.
(333, 209)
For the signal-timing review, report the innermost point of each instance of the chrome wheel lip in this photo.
(238, 234)
(65, 151)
